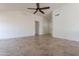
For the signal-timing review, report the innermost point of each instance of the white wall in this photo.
(66, 25)
(48, 23)
(18, 24)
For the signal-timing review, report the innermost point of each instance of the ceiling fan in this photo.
(39, 9)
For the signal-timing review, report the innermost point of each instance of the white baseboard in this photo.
(68, 38)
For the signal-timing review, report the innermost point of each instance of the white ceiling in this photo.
(24, 6)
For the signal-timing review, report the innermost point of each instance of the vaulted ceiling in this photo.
(24, 6)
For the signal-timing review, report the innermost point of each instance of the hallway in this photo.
(43, 45)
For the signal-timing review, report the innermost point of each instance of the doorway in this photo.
(36, 28)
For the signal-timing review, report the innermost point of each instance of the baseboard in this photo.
(68, 38)
(17, 37)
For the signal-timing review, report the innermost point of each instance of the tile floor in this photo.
(43, 45)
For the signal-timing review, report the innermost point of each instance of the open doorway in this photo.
(36, 28)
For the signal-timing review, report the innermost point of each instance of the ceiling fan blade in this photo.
(32, 8)
(41, 11)
(45, 8)
(35, 11)
(37, 4)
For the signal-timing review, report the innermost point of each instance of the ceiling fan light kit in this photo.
(39, 9)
